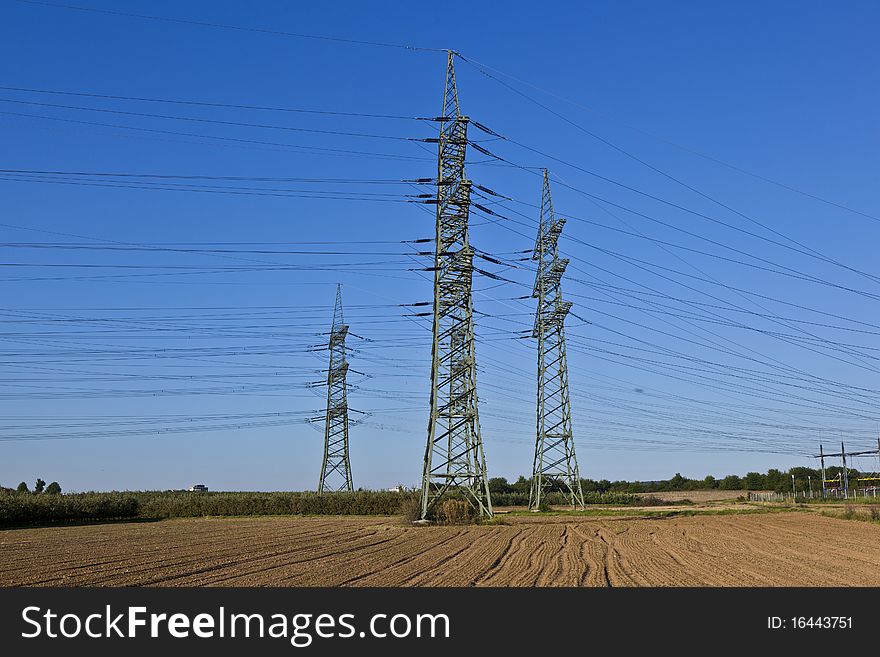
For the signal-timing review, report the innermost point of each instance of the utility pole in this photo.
(810, 485)
(336, 467)
(454, 457)
(793, 493)
(555, 459)
(822, 461)
(845, 476)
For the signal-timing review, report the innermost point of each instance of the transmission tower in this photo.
(555, 459)
(336, 468)
(454, 457)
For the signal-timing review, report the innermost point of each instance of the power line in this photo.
(202, 103)
(484, 69)
(183, 21)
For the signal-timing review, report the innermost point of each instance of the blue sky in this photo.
(693, 361)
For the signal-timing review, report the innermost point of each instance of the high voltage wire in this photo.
(197, 103)
(212, 121)
(483, 68)
(681, 208)
(632, 260)
(234, 140)
(183, 21)
(365, 181)
(646, 356)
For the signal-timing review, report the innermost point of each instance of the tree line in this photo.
(39, 487)
(773, 480)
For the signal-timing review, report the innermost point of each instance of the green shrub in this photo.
(23, 509)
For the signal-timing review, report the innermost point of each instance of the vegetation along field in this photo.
(712, 544)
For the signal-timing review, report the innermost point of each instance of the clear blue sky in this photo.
(105, 350)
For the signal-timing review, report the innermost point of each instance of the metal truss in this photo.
(454, 457)
(555, 462)
(336, 467)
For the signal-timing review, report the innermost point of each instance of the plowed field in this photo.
(774, 549)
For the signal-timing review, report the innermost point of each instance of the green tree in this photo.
(499, 486)
(710, 482)
(53, 489)
(23, 488)
(589, 486)
(39, 486)
(522, 485)
(731, 482)
(677, 482)
(776, 480)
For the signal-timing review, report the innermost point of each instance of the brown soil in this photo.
(774, 549)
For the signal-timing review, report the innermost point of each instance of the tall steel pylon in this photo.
(555, 460)
(336, 467)
(454, 457)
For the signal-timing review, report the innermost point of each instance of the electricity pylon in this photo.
(555, 459)
(454, 457)
(336, 468)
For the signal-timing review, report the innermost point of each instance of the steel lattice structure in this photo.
(454, 457)
(336, 467)
(555, 460)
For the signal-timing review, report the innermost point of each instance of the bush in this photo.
(411, 509)
(53, 489)
(875, 513)
(456, 512)
(849, 512)
(23, 488)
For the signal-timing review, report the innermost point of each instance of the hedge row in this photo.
(184, 505)
(26, 508)
(560, 499)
